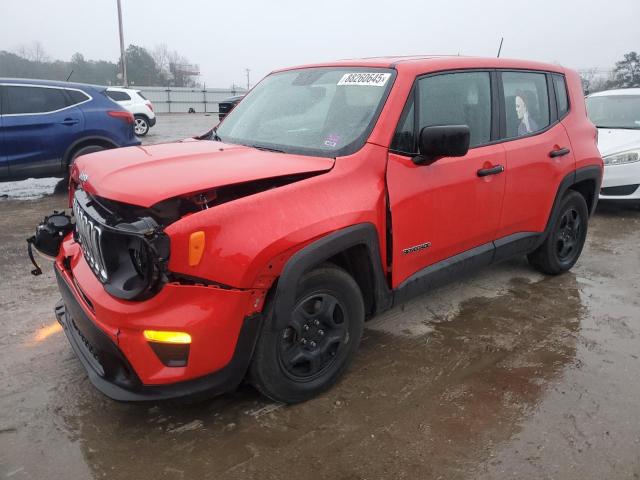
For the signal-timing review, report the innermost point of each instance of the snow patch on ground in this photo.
(28, 189)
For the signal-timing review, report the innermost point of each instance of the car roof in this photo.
(123, 89)
(49, 83)
(427, 63)
(616, 91)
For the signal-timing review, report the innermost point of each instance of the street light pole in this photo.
(122, 58)
(248, 83)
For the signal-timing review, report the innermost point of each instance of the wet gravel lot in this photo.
(507, 374)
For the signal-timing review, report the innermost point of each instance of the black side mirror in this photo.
(442, 141)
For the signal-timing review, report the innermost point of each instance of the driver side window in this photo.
(457, 99)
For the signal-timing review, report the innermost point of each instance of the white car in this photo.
(136, 103)
(616, 113)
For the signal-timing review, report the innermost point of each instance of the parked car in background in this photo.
(45, 125)
(225, 106)
(616, 113)
(136, 103)
(328, 195)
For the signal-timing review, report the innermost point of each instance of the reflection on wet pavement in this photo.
(508, 374)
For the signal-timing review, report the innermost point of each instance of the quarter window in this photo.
(404, 139)
(76, 97)
(526, 103)
(21, 100)
(457, 99)
(561, 95)
(118, 96)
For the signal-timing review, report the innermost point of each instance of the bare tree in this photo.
(160, 54)
(34, 52)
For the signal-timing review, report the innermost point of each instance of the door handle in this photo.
(484, 172)
(559, 153)
(69, 121)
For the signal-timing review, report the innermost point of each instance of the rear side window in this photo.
(76, 97)
(141, 95)
(457, 99)
(562, 99)
(21, 100)
(118, 96)
(526, 102)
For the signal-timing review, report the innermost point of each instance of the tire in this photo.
(78, 153)
(308, 356)
(562, 247)
(140, 125)
(84, 151)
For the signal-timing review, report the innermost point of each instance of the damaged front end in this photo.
(128, 255)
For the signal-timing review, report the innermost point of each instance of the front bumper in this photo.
(621, 182)
(107, 334)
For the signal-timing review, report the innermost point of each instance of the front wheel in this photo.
(140, 126)
(563, 245)
(322, 335)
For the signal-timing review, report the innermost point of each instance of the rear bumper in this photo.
(152, 121)
(111, 372)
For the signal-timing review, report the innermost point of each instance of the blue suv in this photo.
(45, 125)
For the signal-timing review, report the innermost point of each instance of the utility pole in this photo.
(122, 58)
(248, 83)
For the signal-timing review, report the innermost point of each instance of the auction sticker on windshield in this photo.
(366, 79)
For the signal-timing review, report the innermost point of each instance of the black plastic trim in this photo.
(443, 272)
(321, 250)
(111, 373)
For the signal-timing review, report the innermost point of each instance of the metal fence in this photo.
(180, 100)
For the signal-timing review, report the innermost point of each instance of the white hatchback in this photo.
(616, 113)
(136, 103)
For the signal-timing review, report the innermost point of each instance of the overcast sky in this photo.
(225, 37)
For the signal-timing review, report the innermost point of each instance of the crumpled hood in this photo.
(146, 175)
(616, 140)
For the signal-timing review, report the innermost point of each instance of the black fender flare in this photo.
(320, 251)
(591, 172)
(94, 138)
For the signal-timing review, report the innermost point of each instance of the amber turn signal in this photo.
(167, 337)
(196, 248)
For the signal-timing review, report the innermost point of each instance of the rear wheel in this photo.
(562, 247)
(323, 331)
(140, 125)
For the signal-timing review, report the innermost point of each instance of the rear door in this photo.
(446, 208)
(537, 147)
(39, 126)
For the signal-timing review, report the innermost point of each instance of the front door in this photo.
(448, 207)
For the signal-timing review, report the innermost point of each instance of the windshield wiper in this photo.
(214, 135)
(266, 149)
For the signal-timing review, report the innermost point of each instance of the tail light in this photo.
(150, 105)
(121, 115)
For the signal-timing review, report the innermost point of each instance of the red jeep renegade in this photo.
(329, 194)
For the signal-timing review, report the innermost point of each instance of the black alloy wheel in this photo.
(563, 245)
(310, 344)
(318, 341)
(568, 234)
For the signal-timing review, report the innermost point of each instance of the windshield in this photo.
(615, 111)
(315, 111)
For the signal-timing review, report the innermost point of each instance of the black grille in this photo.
(89, 236)
(619, 191)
